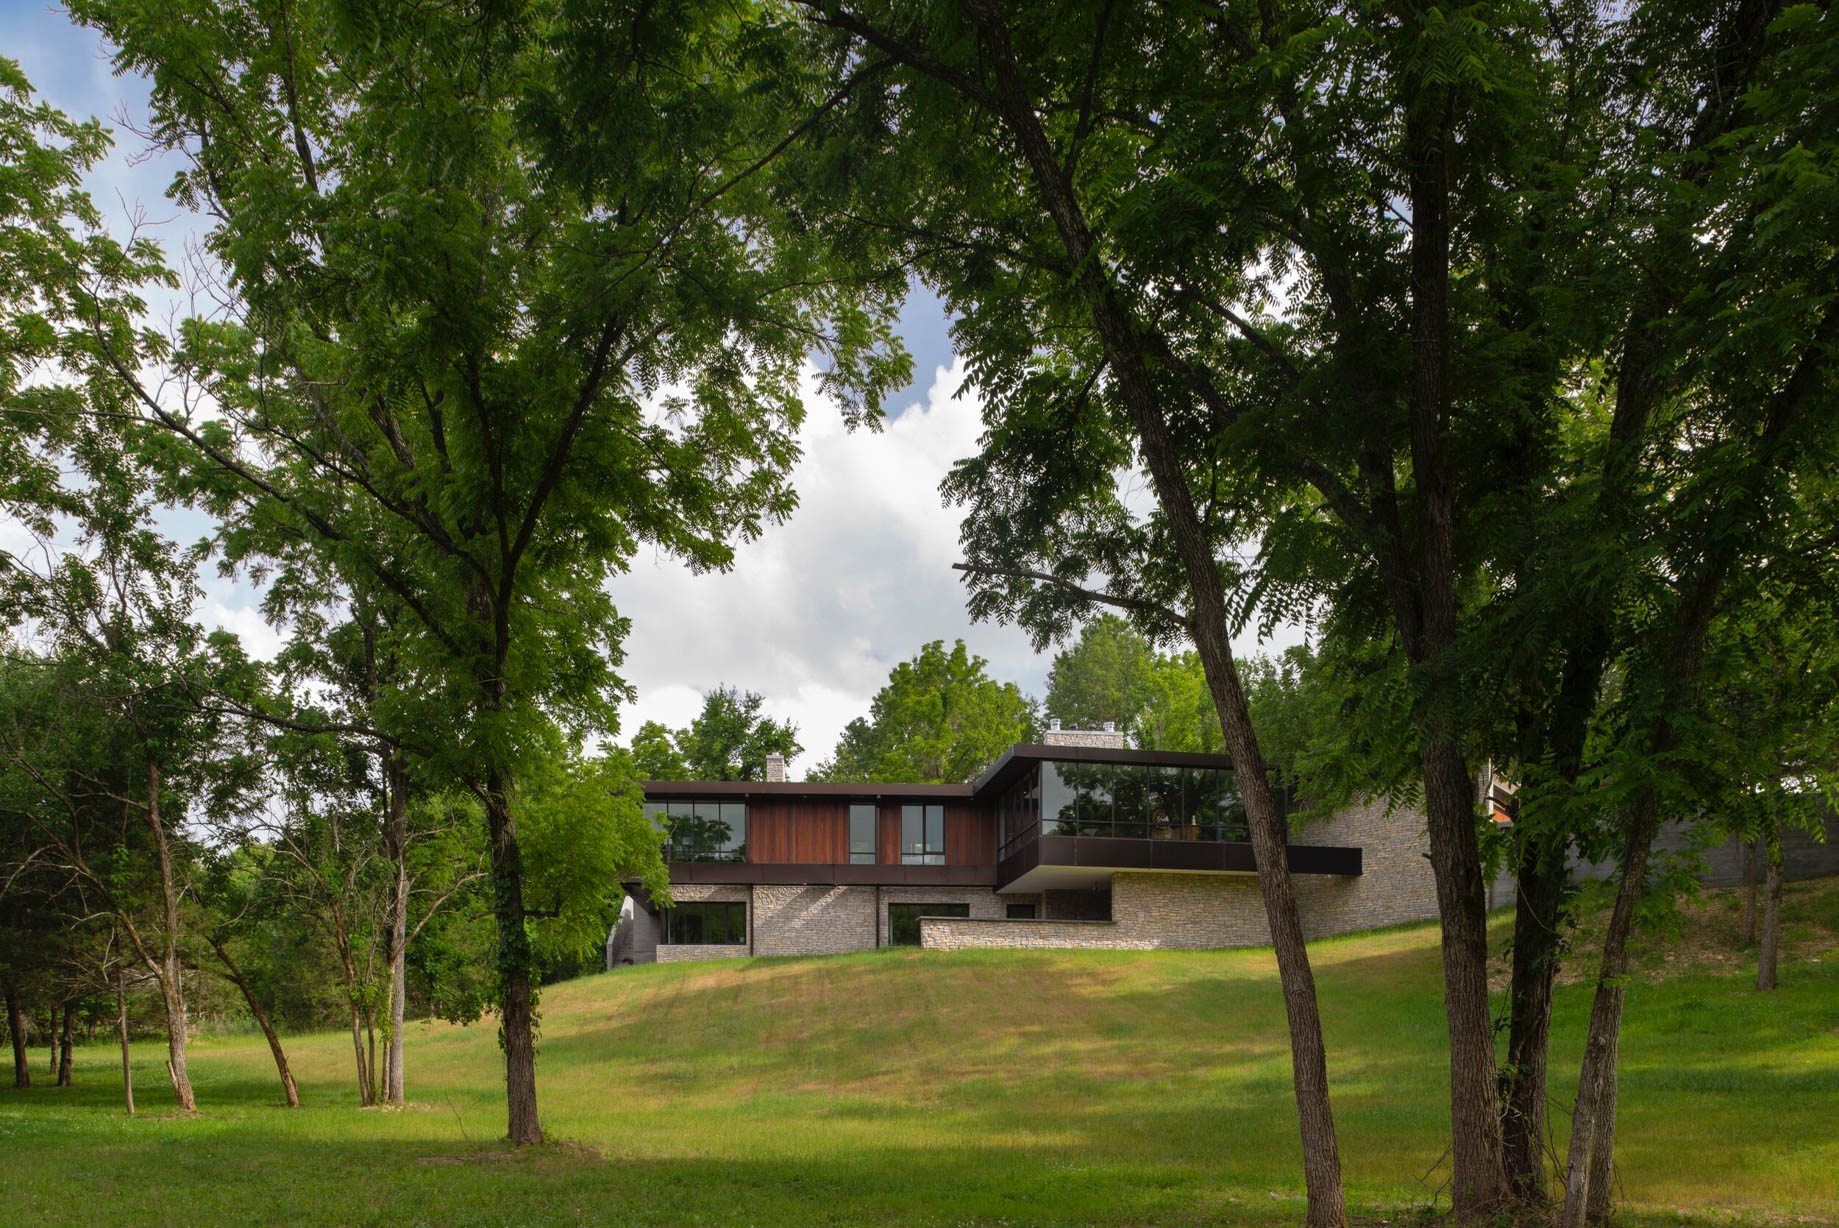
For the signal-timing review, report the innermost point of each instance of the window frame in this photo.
(731, 909)
(923, 852)
(687, 836)
(872, 854)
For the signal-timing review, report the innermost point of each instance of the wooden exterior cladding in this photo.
(815, 831)
(798, 832)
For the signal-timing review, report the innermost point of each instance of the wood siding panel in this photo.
(970, 835)
(887, 835)
(816, 832)
(797, 832)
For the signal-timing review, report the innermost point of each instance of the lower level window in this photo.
(706, 924)
(903, 920)
(1021, 912)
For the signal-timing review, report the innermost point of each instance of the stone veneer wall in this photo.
(1395, 884)
(1153, 910)
(821, 920)
(815, 920)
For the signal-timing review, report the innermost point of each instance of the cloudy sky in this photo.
(813, 616)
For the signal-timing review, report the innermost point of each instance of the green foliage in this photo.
(510, 302)
(1104, 676)
(655, 755)
(584, 832)
(728, 740)
(940, 719)
(66, 289)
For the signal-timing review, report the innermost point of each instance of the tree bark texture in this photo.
(65, 1051)
(16, 1033)
(1599, 1204)
(168, 971)
(1595, 1084)
(1123, 349)
(516, 993)
(262, 1020)
(1479, 1178)
(121, 1024)
(1768, 950)
(1537, 939)
(51, 1040)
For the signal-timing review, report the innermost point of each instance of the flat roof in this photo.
(1010, 764)
(1017, 758)
(799, 788)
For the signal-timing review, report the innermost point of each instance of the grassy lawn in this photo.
(920, 1087)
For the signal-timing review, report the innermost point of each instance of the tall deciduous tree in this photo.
(728, 740)
(939, 720)
(1105, 675)
(506, 301)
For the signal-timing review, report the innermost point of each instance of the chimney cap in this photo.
(1054, 723)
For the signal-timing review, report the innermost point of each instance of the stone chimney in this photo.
(775, 768)
(1109, 737)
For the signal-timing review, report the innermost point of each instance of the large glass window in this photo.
(1132, 788)
(707, 830)
(862, 835)
(1019, 812)
(710, 923)
(922, 835)
(1059, 815)
(1135, 801)
(903, 920)
(1162, 809)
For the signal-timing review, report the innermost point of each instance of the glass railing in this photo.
(1127, 829)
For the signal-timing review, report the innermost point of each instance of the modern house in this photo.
(1074, 842)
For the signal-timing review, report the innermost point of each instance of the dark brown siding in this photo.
(887, 835)
(797, 832)
(970, 835)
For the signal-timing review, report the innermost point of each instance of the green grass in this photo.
(919, 1087)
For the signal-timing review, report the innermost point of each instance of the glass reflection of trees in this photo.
(702, 830)
(1140, 802)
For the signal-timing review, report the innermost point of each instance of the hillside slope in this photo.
(943, 1088)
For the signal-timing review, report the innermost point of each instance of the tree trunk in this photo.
(16, 1032)
(1749, 891)
(1602, 1156)
(168, 972)
(1124, 350)
(121, 1023)
(397, 938)
(261, 1017)
(1479, 1178)
(65, 1054)
(51, 1040)
(365, 1096)
(516, 994)
(1596, 1082)
(1537, 939)
(1768, 950)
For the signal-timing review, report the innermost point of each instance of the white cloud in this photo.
(815, 614)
